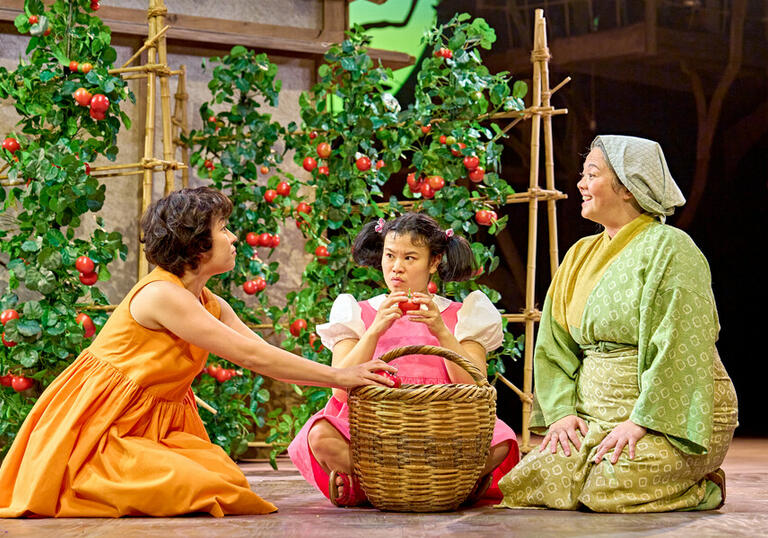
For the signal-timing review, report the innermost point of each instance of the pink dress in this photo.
(423, 369)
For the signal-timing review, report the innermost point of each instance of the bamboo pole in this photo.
(180, 115)
(147, 44)
(539, 50)
(549, 159)
(202, 403)
(158, 14)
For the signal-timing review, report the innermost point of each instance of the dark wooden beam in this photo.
(190, 33)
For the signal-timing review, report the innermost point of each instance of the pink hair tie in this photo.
(449, 233)
(379, 225)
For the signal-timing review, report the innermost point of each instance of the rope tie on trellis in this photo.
(157, 12)
(165, 165)
(541, 55)
(181, 95)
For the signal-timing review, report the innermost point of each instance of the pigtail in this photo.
(368, 246)
(458, 261)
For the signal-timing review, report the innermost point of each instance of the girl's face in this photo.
(221, 257)
(406, 266)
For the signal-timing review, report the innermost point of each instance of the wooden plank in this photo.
(188, 32)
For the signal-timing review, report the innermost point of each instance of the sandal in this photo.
(479, 489)
(353, 494)
(718, 478)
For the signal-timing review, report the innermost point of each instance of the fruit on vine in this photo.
(11, 144)
(96, 115)
(87, 169)
(324, 170)
(427, 191)
(261, 283)
(223, 375)
(7, 343)
(363, 163)
(477, 175)
(95, 5)
(379, 164)
(211, 119)
(471, 162)
(297, 326)
(283, 188)
(85, 68)
(265, 240)
(99, 102)
(73, 65)
(249, 287)
(89, 279)
(457, 152)
(443, 52)
(436, 182)
(84, 264)
(208, 164)
(314, 339)
(413, 182)
(309, 164)
(47, 32)
(87, 323)
(443, 139)
(450, 140)
(323, 150)
(5, 380)
(252, 239)
(270, 195)
(426, 128)
(264, 169)
(313, 135)
(7, 315)
(33, 19)
(485, 217)
(322, 254)
(21, 383)
(397, 382)
(303, 207)
(432, 287)
(275, 240)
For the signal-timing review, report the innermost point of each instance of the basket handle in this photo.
(477, 375)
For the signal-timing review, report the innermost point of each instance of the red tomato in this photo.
(492, 215)
(436, 182)
(275, 240)
(363, 163)
(265, 240)
(314, 339)
(84, 264)
(323, 150)
(322, 253)
(471, 162)
(11, 144)
(413, 181)
(249, 287)
(407, 306)
(427, 191)
(297, 326)
(270, 195)
(211, 119)
(33, 19)
(446, 53)
(96, 115)
(379, 164)
(208, 164)
(8, 315)
(283, 188)
(389, 375)
(264, 170)
(309, 164)
(99, 102)
(426, 128)
(252, 239)
(21, 383)
(457, 152)
(5, 380)
(324, 170)
(95, 6)
(7, 343)
(84, 69)
(477, 174)
(432, 287)
(47, 32)
(87, 169)
(260, 282)
(87, 323)
(213, 370)
(223, 375)
(443, 139)
(303, 207)
(89, 279)
(483, 217)
(313, 135)
(73, 66)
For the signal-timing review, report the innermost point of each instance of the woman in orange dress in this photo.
(118, 433)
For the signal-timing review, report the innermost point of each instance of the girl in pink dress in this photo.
(408, 250)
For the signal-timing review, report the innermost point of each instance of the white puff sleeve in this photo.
(345, 321)
(479, 321)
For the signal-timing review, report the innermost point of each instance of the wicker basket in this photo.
(421, 448)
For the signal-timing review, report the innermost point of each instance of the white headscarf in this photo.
(640, 166)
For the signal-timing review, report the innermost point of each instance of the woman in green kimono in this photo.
(637, 407)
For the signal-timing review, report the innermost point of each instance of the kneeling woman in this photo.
(639, 408)
(408, 250)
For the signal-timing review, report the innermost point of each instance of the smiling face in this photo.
(221, 257)
(601, 201)
(406, 266)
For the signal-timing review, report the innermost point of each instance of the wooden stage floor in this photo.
(304, 512)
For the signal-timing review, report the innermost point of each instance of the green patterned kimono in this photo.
(628, 331)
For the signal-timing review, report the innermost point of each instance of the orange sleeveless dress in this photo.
(118, 433)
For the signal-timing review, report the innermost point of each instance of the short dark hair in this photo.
(176, 230)
(458, 262)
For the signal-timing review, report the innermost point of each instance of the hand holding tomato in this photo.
(397, 382)
(388, 312)
(430, 316)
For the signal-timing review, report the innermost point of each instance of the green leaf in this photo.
(27, 357)
(28, 327)
(519, 89)
(32, 310)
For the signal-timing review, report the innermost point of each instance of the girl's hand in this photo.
(561, 431)
(362, 374)
(430, 316)
(388, 312)
(626, 433)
